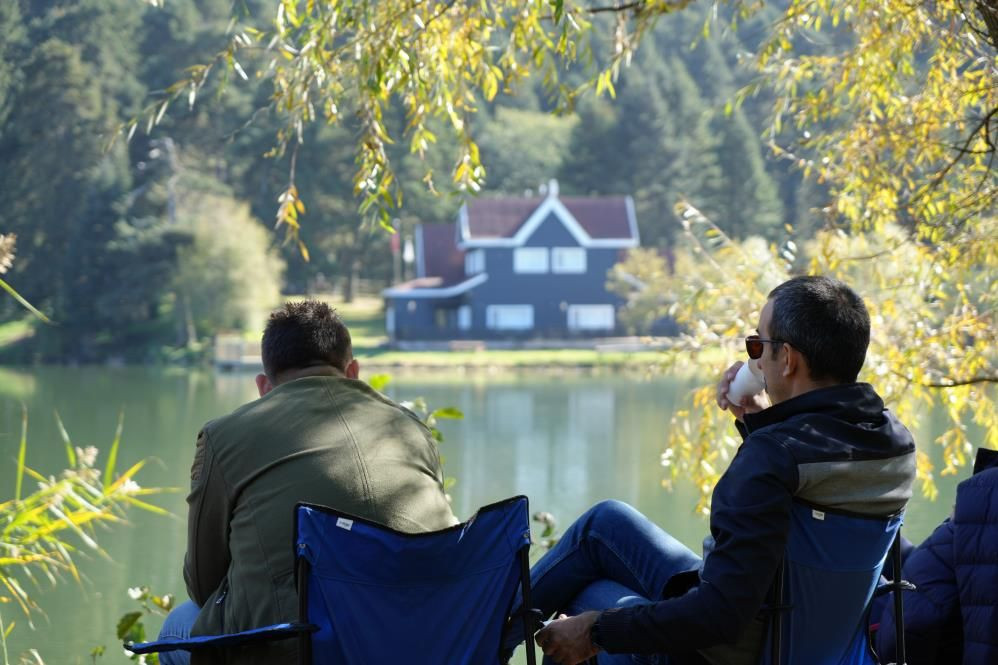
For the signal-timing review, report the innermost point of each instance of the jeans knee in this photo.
(614, 511)
(179, 621)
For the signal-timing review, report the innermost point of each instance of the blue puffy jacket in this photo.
(952, 617)
(835, 447)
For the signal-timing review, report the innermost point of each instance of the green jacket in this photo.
(322, 439)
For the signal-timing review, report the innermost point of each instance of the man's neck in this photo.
(807, 385)
(317, 370)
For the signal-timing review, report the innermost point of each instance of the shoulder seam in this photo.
(358, 457)
(768, 434)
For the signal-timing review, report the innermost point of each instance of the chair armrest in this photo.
(277, 631)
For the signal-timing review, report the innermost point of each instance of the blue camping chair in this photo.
(822, 595)
(369, 594)
(820, 600)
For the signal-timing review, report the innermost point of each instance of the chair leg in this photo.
(304, 639)
(898, 601)
(528, 621)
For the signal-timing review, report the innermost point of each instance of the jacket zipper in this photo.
(219, 600)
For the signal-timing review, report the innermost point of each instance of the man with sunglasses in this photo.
(633, 594)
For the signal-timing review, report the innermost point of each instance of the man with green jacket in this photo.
(317, 434)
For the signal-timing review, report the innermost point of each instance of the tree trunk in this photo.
(349, 284)
(186, 331)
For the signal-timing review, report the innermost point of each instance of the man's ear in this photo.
(793, 361)
(263, 384)
(352, 370)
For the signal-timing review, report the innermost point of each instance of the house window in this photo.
(509, 317)
(474, 262)
(464, 317)
(530, 260)
(590, 317)
(440, 318)
(390, 318)
(568, 259)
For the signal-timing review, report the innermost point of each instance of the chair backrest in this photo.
(830, 573)
(382, 596)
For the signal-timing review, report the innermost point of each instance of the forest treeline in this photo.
(142, 249)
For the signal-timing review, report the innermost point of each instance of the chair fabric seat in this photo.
(831, 572)
(369, 594)
(380, 596)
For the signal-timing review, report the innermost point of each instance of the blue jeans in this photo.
(612, 556)
(178, 626)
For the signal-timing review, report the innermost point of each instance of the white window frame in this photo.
(568, 260)
(591, 317)
(464, 317)
(509, 317)
(474, 262)
(530, 260)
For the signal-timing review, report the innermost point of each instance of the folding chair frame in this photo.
(302, 629)
(895, 586)
(302, 569)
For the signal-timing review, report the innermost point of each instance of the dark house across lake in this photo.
(516, 268)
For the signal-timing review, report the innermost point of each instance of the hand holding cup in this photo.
(739, 390)
(745, 384)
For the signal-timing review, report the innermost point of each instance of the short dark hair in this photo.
(305, 333)
(826, 321)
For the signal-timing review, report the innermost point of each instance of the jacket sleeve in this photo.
(207, 560)
(931, 608)
(750, 518)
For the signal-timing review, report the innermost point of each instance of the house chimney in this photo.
(552, 188)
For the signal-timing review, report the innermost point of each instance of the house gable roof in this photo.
(604, 222)
(604, 217)
(509, 222)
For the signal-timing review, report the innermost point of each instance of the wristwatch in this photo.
(594, 635)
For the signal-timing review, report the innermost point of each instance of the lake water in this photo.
(566, 440)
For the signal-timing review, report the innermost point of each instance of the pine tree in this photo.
(595, 159)
(750, 202)
(689, 158)
(60, 185)
(523, 149)
(12, 37)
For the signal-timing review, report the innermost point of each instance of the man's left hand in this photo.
(566, 639)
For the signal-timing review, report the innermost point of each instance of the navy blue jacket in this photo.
(836, 447)
(954, 609)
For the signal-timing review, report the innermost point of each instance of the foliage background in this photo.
(837, 136)
(101, 232)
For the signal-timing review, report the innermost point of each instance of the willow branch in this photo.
(616, 8)
(963, 382)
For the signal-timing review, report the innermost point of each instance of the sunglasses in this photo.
(754, 345)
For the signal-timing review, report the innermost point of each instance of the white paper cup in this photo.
(744, 384)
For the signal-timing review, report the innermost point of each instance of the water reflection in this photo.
(16, 385)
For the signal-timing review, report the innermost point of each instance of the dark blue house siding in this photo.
(550, 294)
(547, 292)
(428, 318)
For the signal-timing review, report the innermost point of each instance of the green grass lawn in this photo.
(366, 319)
(509, 358)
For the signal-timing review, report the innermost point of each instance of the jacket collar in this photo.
(986, 459)
(852, 402)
